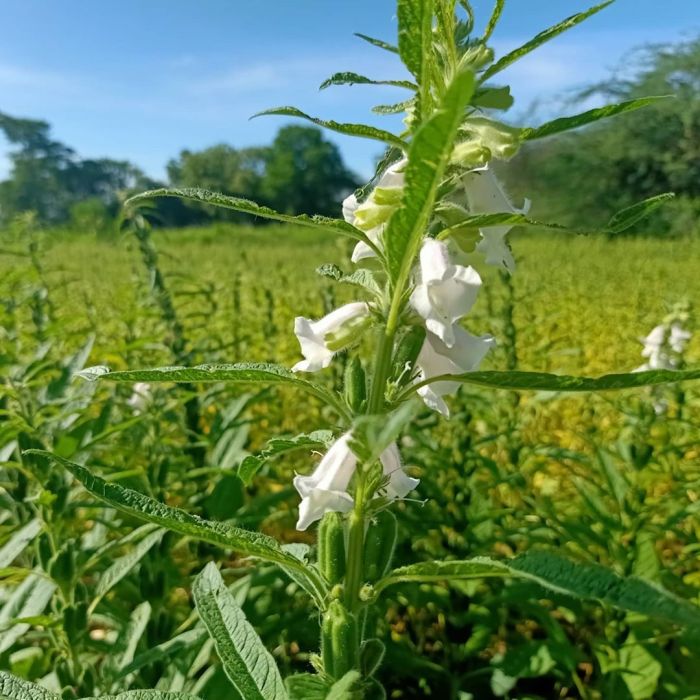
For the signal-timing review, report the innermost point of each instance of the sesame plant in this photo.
(433, 216)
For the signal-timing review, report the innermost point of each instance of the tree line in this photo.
(579, 178)
(299, 173)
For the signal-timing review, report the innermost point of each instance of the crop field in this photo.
(605, 478)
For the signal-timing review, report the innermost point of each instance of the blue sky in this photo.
(143, 79)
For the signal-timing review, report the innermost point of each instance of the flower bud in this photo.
(502, 140)
(331, 548)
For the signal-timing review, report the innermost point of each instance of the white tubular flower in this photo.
(486, 196)
(372, 215)
(653, 350)
(314, 336)
(326, 489)
(140, 398)
(436, 358)
(400, 484)
(679, 338)
(445, 292)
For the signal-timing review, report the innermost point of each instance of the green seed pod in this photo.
(331, 548)
(339, 640)
(371, 655)
(380, 542)
(407, 350)
(355, 385)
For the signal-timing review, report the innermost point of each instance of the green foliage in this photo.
(248, 665)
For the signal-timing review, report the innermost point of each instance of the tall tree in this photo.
(305, 174)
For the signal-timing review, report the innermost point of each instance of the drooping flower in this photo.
(678, 338)
(485, 195)
(663, 345)
(372, 215)
(327, 488)
(436, 358)
(140, 397)
(445, 292)
(400, 484)
(321, 339)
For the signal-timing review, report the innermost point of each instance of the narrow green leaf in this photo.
(478, 221)
(426, 572)
(541, 38)
(637, 212)
(241, 373)
(225, 201)
(319, 439)
(396, 108)
(146, 508)
(186, 641)
(562, 124)
(493, 20)
(349, 78)
(591, 581)
(378, 43)
(246, 662)
(127, 642)
(347, 688)
(541, 381)
(146, 695)
(560, 575)
(123, 565)
(415, 36)
(13, 688)
(16, 544)
(363, 130)
(428, 157)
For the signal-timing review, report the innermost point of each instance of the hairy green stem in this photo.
(356, 542)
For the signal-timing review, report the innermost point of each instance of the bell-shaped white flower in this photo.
(326, 489)
(678, 338)
(372, 215)
(140, 398)
(315, 336)
(445, 292)
(400, 484)
(485, 195)
(436, 358)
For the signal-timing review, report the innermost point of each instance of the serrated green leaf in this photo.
(415, 37)
(396, 108)
(558, 126)
(12, 688)
(319, 439)
(362, 130)
(637, 212)
(146, 508)
(378, 43)
(16, 544)
(240, 373)
(428, 157)
(246, 662)
(493, 20)
(349, 78)
(595, 582)
(542, 38)
(560, 575)
(247, 207)
(541, 381)
(146, 695)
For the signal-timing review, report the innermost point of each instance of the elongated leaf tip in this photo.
(92, 374)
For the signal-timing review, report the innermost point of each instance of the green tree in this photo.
(305, 174)
(48, 178)
(585, 176)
